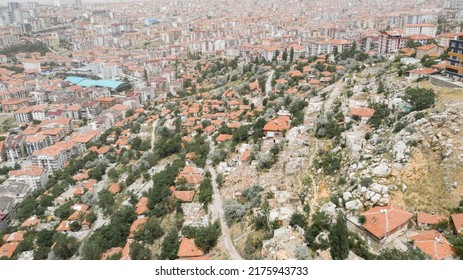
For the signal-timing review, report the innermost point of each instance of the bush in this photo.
(252, 195)
(329, 162)
(298, 219)
(395, 254)
(234, 211)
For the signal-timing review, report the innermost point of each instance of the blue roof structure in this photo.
(84, 82)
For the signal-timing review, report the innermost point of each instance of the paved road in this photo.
(216, 208)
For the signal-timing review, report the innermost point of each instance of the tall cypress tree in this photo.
(339, 239)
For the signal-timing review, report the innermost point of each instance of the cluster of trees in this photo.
(110, 235)
(200, 147)
(150, 231)
(328, 127)
(205, 237)
(380, 116)
(205, 190)
(233, 210)
(27, 47)
(169, 142)
(140, 145)
(158, 195)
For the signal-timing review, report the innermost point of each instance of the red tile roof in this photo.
(188, 249)
(184, 196)
(223, 137)
(430, 219)
(281, 123)
(381, 221)
(457, 220)
(362, 112)
(142, 205)
(433, 244)
(7, 249)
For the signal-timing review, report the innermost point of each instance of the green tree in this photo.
(169, 246)
(65, 246)
(206, 237)
(106, 201)
(419, 98)
(150, 231)
(285, 55)
(457, 242)
(139, 252)
(338, 237)
(91, 250)
(395, 254)
(298, 219)
(205, 191)
(64, 211)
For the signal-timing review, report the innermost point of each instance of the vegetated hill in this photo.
(25, 48)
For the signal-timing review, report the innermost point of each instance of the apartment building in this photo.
(455, 68)
(34, 176)
(50, 158)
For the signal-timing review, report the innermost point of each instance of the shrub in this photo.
(234, 211)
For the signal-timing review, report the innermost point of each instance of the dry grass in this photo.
(430, 192)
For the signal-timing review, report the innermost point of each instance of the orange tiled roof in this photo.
(30, 222)
(430, 219)
(14, 237)
(188, 249)
(362, 112)
(383, 220)
(142, 205)
(281, 123)
(114, 188)
(457, 220)
(31, 170)
(136, 224)
(224, 137)
(184, 196)
(7, 249)
(433, 244)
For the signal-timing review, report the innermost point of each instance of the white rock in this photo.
(354, 205)
(383, 201)
(329, 209)
(377, 188)
(375, 198)
(346, 196)
(382, 170)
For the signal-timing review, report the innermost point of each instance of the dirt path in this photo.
(216, 208)
(268, 83)
(336, 90)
